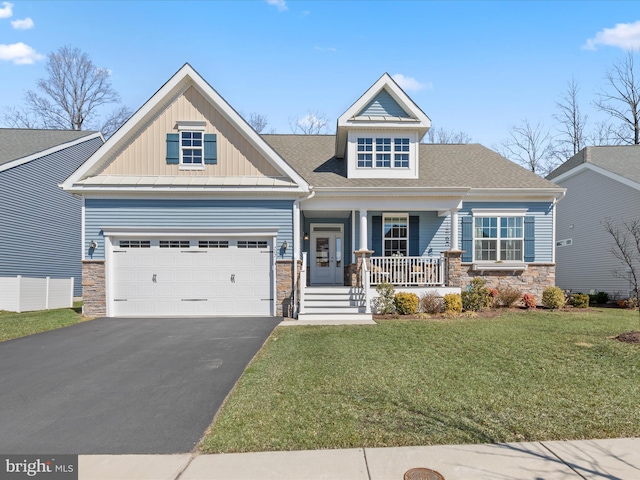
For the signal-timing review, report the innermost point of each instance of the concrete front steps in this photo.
(333, 305)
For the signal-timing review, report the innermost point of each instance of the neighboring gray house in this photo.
(40, 224)
(601, 183)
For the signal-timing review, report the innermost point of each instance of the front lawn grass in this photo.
(523, 376)
(14, 325)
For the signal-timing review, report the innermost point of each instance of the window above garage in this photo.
(191, 148)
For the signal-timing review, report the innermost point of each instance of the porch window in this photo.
(498, 239)
(396, 235)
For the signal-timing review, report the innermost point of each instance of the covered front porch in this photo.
(353, 251)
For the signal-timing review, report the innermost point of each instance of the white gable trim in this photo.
(178, 84)
(49, 151)
(595, 168)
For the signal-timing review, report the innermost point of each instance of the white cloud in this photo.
(623, 35)
(19, 53)
(279, 4)
(409, 83)
(25, 24)
(7, 10)
(326, 49)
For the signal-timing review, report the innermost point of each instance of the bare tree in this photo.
(530, 146)
(115, 120)
(71, 95)
(571, 122)
(257, 121)
(441, 135)
(621, 100)
(602, 134)
(314, 123)
(626, 248)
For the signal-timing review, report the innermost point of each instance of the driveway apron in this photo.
(116, 385)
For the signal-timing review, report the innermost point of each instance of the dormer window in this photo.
(401, 153)
(389, 152)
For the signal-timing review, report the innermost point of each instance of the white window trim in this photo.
(190, 126)
(396, 215)
(353, 171)
(489, 214)
(392, 152)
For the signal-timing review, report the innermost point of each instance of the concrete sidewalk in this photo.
(615, 459)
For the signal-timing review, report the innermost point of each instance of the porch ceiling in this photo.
(324, 213)
(322, 204)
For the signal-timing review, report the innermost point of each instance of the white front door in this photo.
(327, 267)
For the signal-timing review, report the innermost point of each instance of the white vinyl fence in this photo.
(23, 294)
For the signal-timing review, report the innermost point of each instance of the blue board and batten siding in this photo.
(542, 225)
(40, 225)
(101, 213)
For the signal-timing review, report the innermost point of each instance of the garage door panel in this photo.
(190, 281)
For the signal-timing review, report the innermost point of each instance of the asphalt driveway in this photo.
(115, 385)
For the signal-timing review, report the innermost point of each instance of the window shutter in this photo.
(467, 239)
(173, 148)
(414, 236)
(210, 149)
(529, 238)
(376, 236)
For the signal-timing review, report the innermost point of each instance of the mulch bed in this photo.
(629, 337)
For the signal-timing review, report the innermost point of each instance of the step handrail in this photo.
(303, 284)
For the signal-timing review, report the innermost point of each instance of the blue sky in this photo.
(477, 67)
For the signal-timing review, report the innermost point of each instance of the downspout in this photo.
(553, 237)
(297, 247)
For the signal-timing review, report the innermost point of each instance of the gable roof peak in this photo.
(375, 109)
(179, 82)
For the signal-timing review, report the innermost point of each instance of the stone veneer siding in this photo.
(284, 288)
(94, 293)
(533, 280)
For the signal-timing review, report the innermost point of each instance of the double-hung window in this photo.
(383, 152)
(395, 235)
(191, 146)
(365, 152)
(498, 239)
(401, 153)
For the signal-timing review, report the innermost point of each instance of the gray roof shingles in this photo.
(441, 165)
(18, 143)
(623, 160)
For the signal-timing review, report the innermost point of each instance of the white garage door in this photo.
(182, 277)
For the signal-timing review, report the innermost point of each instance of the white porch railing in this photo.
(408, 271)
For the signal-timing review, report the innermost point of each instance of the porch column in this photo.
(454, 229)
(363, 230)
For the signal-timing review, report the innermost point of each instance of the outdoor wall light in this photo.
(306, 236)
(285, 245)
(93, 245)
